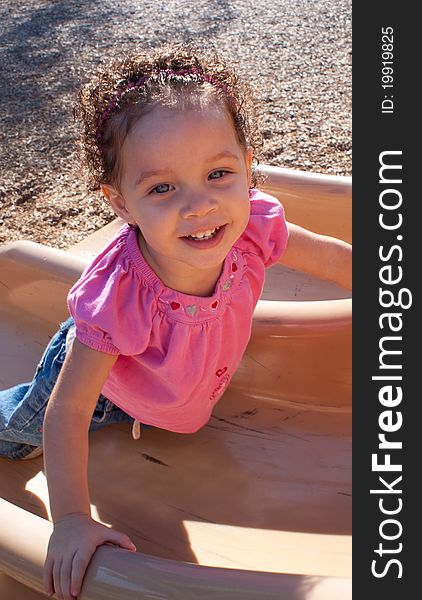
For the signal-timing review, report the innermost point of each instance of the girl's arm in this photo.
(75, 535)
(320, 255)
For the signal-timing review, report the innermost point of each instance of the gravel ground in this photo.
(298, 50)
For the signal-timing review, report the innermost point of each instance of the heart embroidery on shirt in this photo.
(234, 267)
(221, 372)
(174, 305)
(191, 309)
(214, 304)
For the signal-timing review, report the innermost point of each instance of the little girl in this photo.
(161, 317)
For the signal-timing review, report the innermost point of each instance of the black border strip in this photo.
(375, 399)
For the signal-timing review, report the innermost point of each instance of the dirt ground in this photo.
(298, 53)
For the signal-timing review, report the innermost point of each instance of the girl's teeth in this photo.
(206, 235)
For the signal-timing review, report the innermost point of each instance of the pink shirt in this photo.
(177, 352)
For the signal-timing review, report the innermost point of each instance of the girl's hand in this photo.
(72, 544)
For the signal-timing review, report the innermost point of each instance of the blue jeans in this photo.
(22, 407)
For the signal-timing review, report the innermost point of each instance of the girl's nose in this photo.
(199, 205)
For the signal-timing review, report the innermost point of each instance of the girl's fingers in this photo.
(56, 578)
(79, 566)
(120, 539)
(82, 559)
(65, 578)
(48, 576)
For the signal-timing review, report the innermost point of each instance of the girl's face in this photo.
(185, 182)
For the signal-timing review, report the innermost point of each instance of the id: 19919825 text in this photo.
(387, 69)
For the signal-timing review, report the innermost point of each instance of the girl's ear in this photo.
(117, 203)
(248, 160)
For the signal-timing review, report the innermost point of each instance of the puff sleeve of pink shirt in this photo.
(176, 352)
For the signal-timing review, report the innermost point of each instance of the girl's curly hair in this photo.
(122, 90)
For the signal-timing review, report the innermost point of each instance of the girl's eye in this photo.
(162, 188)
(218, 174)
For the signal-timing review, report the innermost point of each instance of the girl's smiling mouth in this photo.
(204, 235)
(207, 238)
